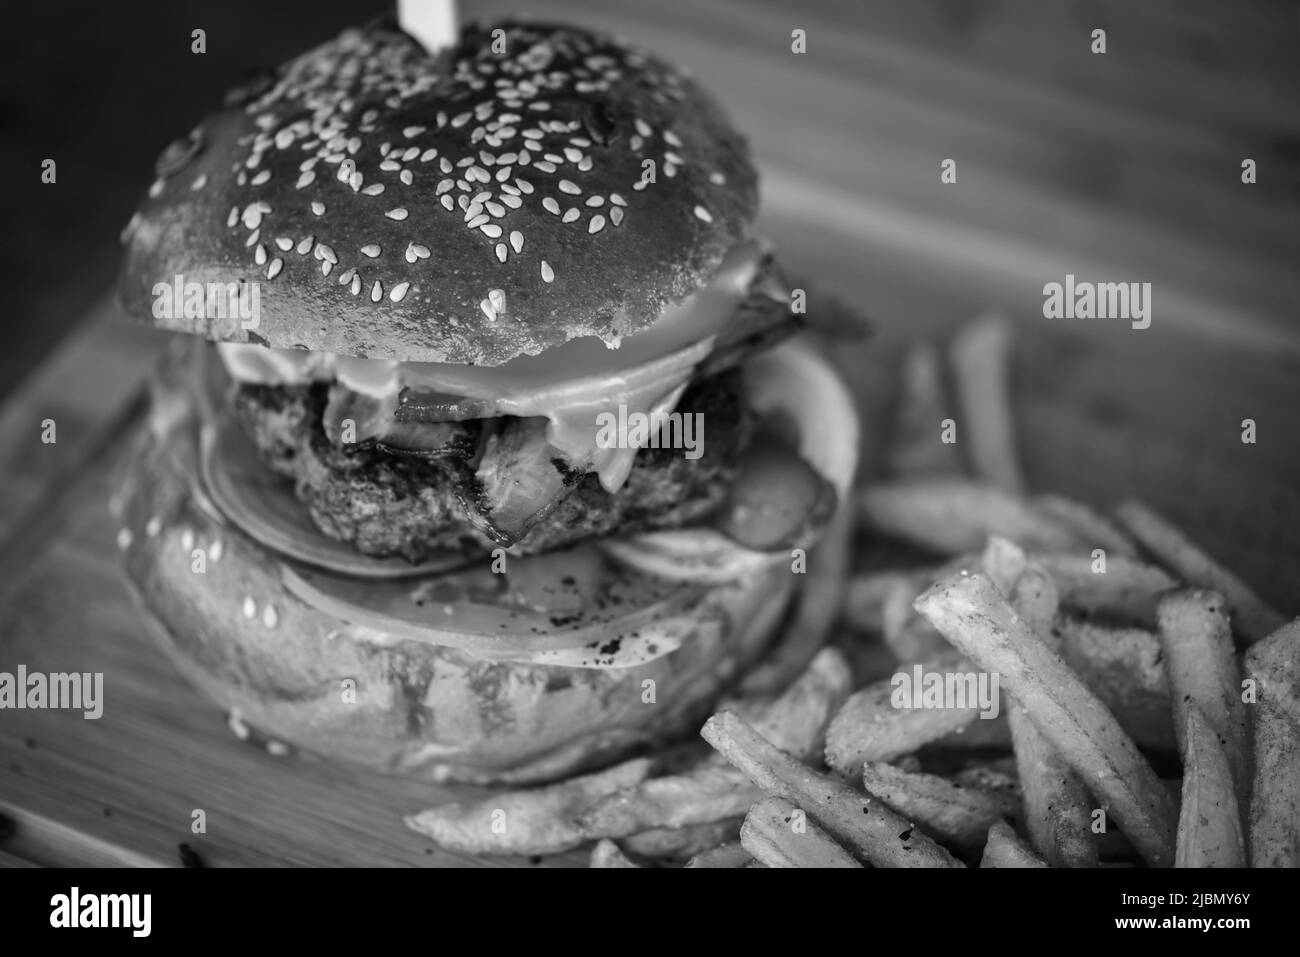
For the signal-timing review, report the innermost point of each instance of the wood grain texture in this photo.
(1123, 168)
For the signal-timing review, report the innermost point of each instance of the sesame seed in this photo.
(478, 220)
(568, 186)
(398, 213)
(399, 291)
(548, 274)
(428, 155)
(717, 179)
(124, 537)
(325, 267)
(259, 254)
(156, 188)
(199, 182)
(374, 189)
(285, 243)
(642, 127)
(250, 607)
(495, 209)
(595, 202)
(670, 170)
(346, 169)
(447, 203)
(376, 291)
(390, 166)
(572, 154)
(524, 186)
(410, 154)
(443, 186)
(305, 180)
(233, 218)
(517, 241)
(215, 550)
(421, 252)
(318, 207)
(304, 247)
(501, 252)
(406, 176)
(444, 164)
(251, 241)
(269, 616)
(347, 277)
(412, 131)
(597, 224)
(355, 288)
(544, 166)
(481, 197)
(511, 200)
(703, 214)
(498, 299)
(616, 215)
(570, 215)
(327, 253)
(671, 157)
(585, 165)
(488, 311)
(273, 270)
(550, 205)
(355, 181)
(491, 230)
(370, 250)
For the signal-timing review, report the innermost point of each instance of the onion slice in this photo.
(477, 610)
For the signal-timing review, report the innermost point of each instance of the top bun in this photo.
(468, 206)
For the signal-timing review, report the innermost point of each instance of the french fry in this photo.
(1209, 823)
(536, 821)
(1274, 665)
(1056, 802)
(980, 355)
(679, 843)
(796, 720)
(1124, 668)
(1090, 527)
(1126, 592)
(866, 595)
(870, 728)
(1203, 672)
(1252, 618)
(607, 854)
(1004, 848)
(865, 827)
(952, 516)
(909, 636)
(778, 834)
(948, 811)
(972, 615)
(726, 855)
(917, 446)
(997, 776)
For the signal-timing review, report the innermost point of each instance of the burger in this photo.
(491, 447)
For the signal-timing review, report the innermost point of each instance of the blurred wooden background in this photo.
(1116, 167)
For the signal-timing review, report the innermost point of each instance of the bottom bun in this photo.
(220, 607)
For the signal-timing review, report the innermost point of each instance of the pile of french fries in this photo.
(1150, 701)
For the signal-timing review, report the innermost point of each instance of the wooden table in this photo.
(1117, 167)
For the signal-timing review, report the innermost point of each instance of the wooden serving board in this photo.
(1122, 173)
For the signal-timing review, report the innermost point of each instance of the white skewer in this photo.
(432, 22)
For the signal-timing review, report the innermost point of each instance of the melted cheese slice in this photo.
(570, 385)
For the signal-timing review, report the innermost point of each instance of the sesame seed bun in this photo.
(329, 185)
(242, 635)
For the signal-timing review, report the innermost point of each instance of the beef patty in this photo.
(391, 504)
